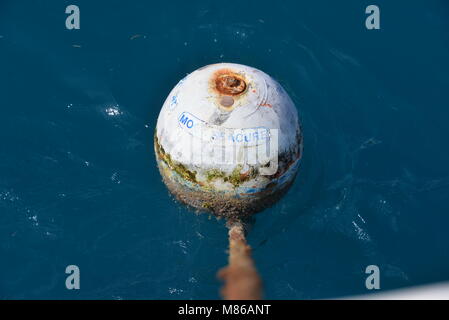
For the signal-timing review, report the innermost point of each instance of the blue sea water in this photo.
(79, 183)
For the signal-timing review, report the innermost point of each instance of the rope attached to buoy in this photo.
(242, 281)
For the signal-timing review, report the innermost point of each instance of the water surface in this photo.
(79, 183)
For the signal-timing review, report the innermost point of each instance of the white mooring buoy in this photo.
(228, 141)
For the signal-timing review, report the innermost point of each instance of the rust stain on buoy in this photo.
(227, 82)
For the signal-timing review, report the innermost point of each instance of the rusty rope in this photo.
(242, 281)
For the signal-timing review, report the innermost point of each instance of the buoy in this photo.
(228, 141)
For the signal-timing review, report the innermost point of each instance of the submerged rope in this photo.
(242, 281)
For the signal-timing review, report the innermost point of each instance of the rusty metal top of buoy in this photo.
(229, 83)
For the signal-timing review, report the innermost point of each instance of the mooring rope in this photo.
(242, 281)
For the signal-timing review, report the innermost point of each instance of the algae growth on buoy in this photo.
(228, 140)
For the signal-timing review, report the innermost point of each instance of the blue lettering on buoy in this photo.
(183, 119)
(249, 135)
(238, 136)
(187, 120)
